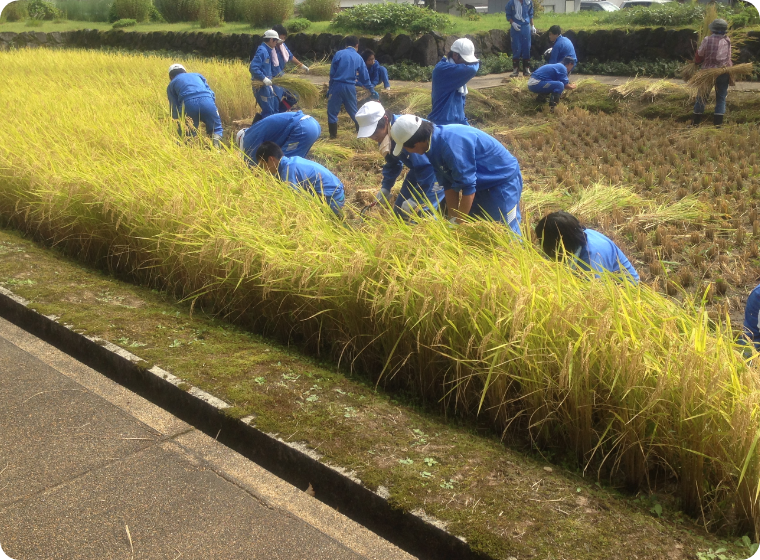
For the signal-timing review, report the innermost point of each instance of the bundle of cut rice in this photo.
(703, 80)
(307, 93)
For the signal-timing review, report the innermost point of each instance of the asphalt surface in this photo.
(89, 470)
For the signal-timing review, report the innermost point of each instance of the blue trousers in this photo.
(721, 91)
(336, 202)
(426, 196)
(545, 87)
(495, 204)
(341, 94)
(203, 110)
(268, 98)
(302, 138)
(521, 40)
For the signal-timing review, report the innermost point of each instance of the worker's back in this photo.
(188, 85)
(551, 73)
(601, 254)
(348, 67)
(561, 49)
(448, 91)
(309, 175)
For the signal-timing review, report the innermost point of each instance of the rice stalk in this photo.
(600, 199)
(687, 210)
(308, 93)
(702, 82)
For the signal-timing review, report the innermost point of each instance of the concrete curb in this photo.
(414, 532)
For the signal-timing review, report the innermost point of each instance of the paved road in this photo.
(89, 470)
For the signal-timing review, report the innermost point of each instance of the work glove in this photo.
(515, 26)
(382, 196)
(388, 88)
(267, 81)
(374, 96)
(409, 205)
(305, 67)
(533, 30)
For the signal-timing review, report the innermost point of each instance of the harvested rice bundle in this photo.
(701, 83)
(307, 93)
(330, 152)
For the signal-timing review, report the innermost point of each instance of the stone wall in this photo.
(604, 46)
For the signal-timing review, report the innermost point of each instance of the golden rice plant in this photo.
(633, 384)
(308, 93)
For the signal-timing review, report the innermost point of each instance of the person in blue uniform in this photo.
(481, 179)
(562, 47)
(190, 93)
(377, 72)
(449, 87)
(520, 17)
(551, 80)
(752, 318)
(346, 71)
(268, 95)
(282, 52)
(303, 174)
(560, 234)
(293, 131)
(420, 190)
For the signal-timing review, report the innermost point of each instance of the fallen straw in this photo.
(701, 83)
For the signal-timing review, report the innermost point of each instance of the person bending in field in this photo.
(551, 80)
(267, 95)
(714, 52)
(303, 174)
(420, 190)
(283, 54)
(189, 93)
(520, 17)
(561, 235)
(346, 71)
(450, 77)
(562, 47)
(481, 179)
(293, 131)
(377, 73)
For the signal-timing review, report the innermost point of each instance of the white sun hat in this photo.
(368, 116)
(174, 67)
(271, 34)
(465, 49)
(403, 129)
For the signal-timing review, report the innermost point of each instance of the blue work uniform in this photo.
(190, 92)
(293, 131)
(601, 254)
(450, 90)
(378, 73)
(520, 39)
(347, 69)
(470, 161)
(549, 78)
(562, 49)
(752, 317)
(280, 69)
(268, 97)
(313, 178)
(420, 184)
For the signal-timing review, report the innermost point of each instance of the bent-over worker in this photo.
(293, 131)
(190, 93)
(551, 80)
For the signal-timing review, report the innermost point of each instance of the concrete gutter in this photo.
(415, 533)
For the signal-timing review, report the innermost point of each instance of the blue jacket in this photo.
(551, 73)
(377, 74)
(310, 176)
(281, 68)
(601, 254)
(261, 65)
(468, 160)
(448, 100)
(187, 85)
(562, 48)
(395, 165)
(527, 11)
(751, 319)
(348, 67)
(275, 128)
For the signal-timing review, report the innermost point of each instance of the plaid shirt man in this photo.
(715, 52)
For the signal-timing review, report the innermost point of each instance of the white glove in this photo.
(463, 90)
(267, 81)
(533, 30)
(382, 196)
(409, 205)
(305, 67)
(388, 88)
(453, 220)
(515, 26)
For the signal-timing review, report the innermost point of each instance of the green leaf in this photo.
(425, 474)
(406, 461)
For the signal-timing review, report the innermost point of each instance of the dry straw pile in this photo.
(629, 382)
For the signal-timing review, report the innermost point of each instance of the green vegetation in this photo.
(297, 25)
(210, 14)
(42, 10)
(122, 23)
(265, 13)
(138, 10)
(318, 10)
(679, 15)
(388, 17)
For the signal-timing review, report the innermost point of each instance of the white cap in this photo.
(240, 136)
(465, 49)
(403, 129)
(174, 67)
(271, 34)
(368, 116)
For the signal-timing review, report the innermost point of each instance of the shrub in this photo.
(233, 10)
(124, 23)
(40, 9)
(671, 14)
(15, 11)
(319, 10)
(743, 16)
(297, 25)
(209, 15)
(31, 22)
(388, 17)
(85, 10)
(262, 13)
(179, 10)
(132, 9)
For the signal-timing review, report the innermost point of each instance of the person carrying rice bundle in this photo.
(714, 52)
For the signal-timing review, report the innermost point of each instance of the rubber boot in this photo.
(553, 100)
(718, 120)
(526, 68)
(696, 119)
(516, 64)
(217, 141)
(333, 128)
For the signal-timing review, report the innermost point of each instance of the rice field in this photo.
(641, 384)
